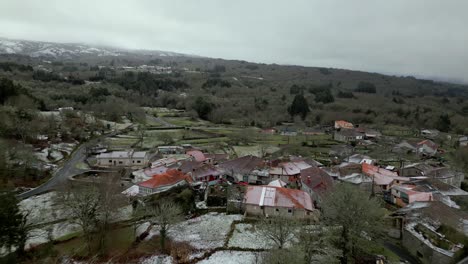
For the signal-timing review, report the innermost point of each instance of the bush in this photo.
(366, 87)
(216, 82)
(345, 94)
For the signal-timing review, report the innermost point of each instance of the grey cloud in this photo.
(425, 38)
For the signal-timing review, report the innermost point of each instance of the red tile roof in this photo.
(170, 177)
(278, 197)
(428, 143)
(343, 124)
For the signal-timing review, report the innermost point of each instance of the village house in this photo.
(426, 148)
(277, 183)
(348, 135)
(346, 168)
(270, 201)
(148, 173)
(416, 169)
(359, 159)
(316, 182)
(216, 158)
(129, 158)
(430, 133)
(258, 176)
(168, 150)
(447, 176)
(339, 124)
(163, 182)
(268, 131)
(421, 233)
(371, 134)
(403, 195)
(287, 131)
(206, 173)
(240, 169)
(382, 178)
(198, 156)
(288, 171)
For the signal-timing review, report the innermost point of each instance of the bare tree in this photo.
(279, 230)
(166, 214)
(110, 201)
(316, 244)
(82, 204)
(141, 134)
(166, 138)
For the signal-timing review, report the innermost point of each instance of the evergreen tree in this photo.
(202, 107)
(444, 123)
(299, 106)
(12, 222)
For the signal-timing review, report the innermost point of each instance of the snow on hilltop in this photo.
(67, 50)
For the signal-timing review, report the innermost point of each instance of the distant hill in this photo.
(69, 50)
(237, 92)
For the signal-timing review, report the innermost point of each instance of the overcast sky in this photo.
(426, 38)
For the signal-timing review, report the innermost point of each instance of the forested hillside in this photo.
(236, 92)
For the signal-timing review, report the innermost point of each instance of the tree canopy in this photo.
(359, 217)
(299, 107)
(202, 107)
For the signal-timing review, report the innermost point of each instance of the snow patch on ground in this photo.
(157, 260)
(55, 231)
(232, 257)
(248, 237)
(43, 208)
(205, 232)
(201, 205)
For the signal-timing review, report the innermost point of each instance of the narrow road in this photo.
(61, 175)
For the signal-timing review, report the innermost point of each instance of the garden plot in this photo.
(257, 150)
(56, 231)
(246, 236)
(43, 208)
(232, 257)
(115, 142)
(205, 232)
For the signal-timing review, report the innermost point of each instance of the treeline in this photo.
(11, 66)
(46, 76)
(148, 84)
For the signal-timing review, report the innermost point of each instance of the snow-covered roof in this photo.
(132, 191)
(278, 197)
(277, 183)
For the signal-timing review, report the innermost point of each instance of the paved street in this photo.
(61, 175)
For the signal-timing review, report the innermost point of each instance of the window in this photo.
(289, 210)
(277, 210)
(420, 255)
(133, 161)
(120, 162)
(138, 161)
(261, 207)
(110, 161)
